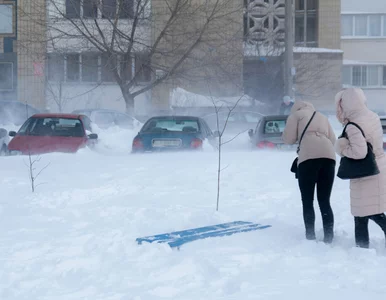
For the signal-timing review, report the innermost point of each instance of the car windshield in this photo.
(274, 126)
(176, 125)
(52, 127)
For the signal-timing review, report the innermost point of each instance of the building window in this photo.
(142, 68)
(6, 19)
(360, 25)
(6, 76)
(363, 25)
(127, 9)
(88, 68)
(90, 9)
(126, 68)
(72, 9)
(359, 74)
(55, 68)
(347, 25)
(364, 76)
(375, 25)
(109, 9)
(372, 76)
(73, 72)
(90, 62)
(346, 75)
(384, 25)
(107, 68)
(306, 23)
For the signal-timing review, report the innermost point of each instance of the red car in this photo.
(44, 133)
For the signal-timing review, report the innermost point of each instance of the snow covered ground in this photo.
(74, 238)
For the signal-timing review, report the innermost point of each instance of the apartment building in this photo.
(364, 46)
(79, 72)
(317, 54)
(21, 56)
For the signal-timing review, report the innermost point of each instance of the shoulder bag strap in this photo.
(304, 131)
(356, 125)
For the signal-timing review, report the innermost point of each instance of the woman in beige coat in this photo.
(368, 194)
(316, 164)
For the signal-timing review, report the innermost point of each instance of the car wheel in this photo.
(4, 150)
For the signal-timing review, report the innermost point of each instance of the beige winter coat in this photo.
(368, 195)
(318, 140)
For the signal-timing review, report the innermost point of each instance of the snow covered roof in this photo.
(315, 50)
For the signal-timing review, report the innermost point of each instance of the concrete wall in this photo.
(318, 77)
(329, 24)
(368, 6)
(215, 64)
(369, 50)
(31, 51)
(67, 97)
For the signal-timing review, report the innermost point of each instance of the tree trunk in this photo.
(129, 101)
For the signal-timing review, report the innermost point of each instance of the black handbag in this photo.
(357, 168)
(294, 167)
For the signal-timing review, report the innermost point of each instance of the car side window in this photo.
(206, 128)
(123, 120)
(258, 125)
(104, 118)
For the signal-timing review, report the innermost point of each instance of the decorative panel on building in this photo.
(264, 22)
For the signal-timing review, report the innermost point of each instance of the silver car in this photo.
(268, 133)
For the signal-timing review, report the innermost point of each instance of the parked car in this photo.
(15, 112)
(173, 133)
(4, 140)
(105, 118)
(236, 121)
(268, 133)
(44, 133)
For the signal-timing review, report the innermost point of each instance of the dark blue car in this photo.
(173, 133)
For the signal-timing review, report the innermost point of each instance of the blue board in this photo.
(178, 238)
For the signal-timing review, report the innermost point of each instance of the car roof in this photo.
(58, 115)
(275, 117)
(98, 109)
(175, 117)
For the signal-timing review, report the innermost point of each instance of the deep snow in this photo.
(74, 238)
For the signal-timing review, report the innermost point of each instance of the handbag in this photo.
(350, 168)
(294, 167)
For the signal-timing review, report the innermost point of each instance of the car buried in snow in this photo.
(268, 133)
(45, 133)
(173, 133)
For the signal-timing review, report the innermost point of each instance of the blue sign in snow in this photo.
(178, 238)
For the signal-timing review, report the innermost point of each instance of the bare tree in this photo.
(141, 43)
(220, 134)
(33, 174)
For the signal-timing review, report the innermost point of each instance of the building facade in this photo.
(21, 52)
(317, 54)
(364, 46)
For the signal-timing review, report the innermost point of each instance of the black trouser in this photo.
(319, 172)
(362, 228)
